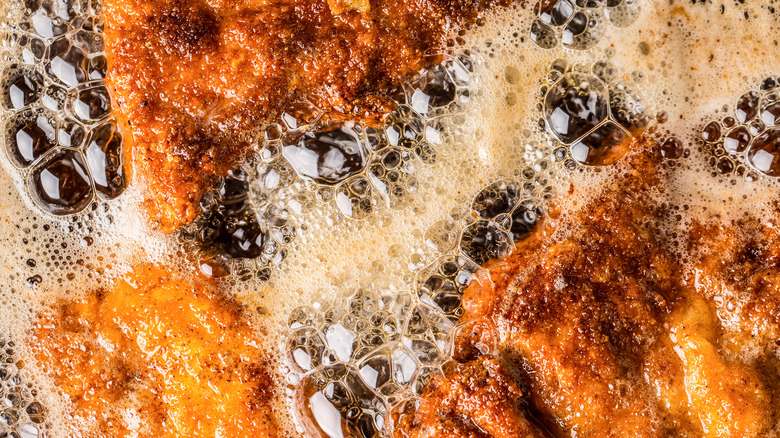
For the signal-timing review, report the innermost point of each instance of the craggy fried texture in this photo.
(157, 357)
(476, 399)
(580, 313)
(737, 268)
(616, 338)
(740, 272)
(195, 78)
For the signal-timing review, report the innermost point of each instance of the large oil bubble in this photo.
(575, 105)
(23, 87)
(60, 184)
(593, 112)
(602, 146)
(328, 156)
(104, 159)
(29, 136)
(764, 154)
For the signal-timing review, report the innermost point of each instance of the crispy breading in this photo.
(476, 399)
(196, 80)
(156, 356)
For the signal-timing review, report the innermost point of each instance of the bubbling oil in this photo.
(253, 214)
(357, 268)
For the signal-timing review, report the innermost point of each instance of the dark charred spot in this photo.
(752, 253)
(185, 29)
(263, 390)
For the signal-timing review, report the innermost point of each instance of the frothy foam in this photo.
(690, 62)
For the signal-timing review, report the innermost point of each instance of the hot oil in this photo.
(388, 276)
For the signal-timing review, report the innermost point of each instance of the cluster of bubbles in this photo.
(366, 359)
(21, 415)
(592, 114)
(305, 159)
(235, 235)
(55, 119)
(362, 357)
(579, 24)
(44, 252)
(749, 136)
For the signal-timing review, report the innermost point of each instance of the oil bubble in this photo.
(574, 105)
(328, 156)
(764, 153)
(60, 184)
(602, 146)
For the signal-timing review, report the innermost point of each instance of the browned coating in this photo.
(477, 399)
(740, 272)
(196, 79)
(156, 356)
(616, 337)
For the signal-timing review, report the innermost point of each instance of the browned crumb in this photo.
(155, 356)
(476, 399)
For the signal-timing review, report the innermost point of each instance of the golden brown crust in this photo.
(155, 356)
(728, 396)
(196, 79)
(476, 399)
(740, 272)
(618, 338)
(581, 312)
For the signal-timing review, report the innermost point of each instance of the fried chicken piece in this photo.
(195, 80)
(477, 399)
(614, 340)
(157, 356)
(700, 392)
(736, 267)
(579, 313)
